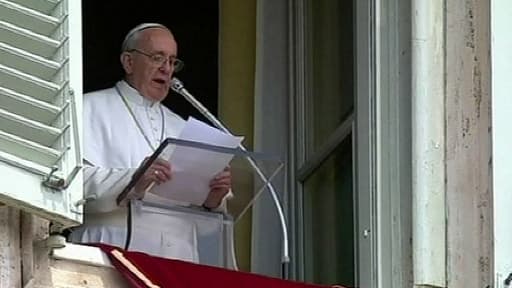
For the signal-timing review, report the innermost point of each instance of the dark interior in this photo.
(195, 25)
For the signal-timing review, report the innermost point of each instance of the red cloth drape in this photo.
(180, 274)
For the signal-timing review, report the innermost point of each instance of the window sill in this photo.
(82, 254)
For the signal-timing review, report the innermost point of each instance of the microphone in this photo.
(177, 86)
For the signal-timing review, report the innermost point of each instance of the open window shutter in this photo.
(40, 107)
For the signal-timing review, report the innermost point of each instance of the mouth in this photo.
(160, 81)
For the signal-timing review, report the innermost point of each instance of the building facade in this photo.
(391, 118)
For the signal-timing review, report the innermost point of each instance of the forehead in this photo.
(157, 40)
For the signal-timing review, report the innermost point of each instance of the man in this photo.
(123, 126)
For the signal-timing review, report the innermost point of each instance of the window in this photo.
(325, 208)
(40, 107)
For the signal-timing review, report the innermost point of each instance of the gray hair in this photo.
(130, 40)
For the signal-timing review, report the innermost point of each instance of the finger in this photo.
(222, 179)
(219, 192)
(162, 176)
(220, 184)
(162, 166)
(163, 170)
(166, 173)
(153, 175)
(217, 182)
(223, 175)
(162, 163)
(156, 175)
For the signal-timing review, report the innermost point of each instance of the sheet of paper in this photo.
(194, 168)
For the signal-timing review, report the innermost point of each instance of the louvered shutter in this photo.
(40, 107)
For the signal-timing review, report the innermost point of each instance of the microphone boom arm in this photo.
(177, 86)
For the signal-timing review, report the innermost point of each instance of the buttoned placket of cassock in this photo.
(147, 115)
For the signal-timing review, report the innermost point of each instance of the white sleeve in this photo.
(223, 207)
(102, 186)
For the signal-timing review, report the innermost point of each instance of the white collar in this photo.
(133, 96)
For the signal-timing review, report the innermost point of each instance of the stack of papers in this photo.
(193, 168)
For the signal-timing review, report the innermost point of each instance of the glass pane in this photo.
(330, 65)
(328, 220)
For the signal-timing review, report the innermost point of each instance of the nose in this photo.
(167, 66)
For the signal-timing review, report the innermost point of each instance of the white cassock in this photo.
(115, 146)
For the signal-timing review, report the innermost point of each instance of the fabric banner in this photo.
(142, 271)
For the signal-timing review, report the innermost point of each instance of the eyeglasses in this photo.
(158, 60)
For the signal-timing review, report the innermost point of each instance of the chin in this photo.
(159, 95)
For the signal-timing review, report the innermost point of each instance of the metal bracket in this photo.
(52, 181)
(74, 207)
(60, 183)
(508, 280)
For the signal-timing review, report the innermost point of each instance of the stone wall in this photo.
(25, 259)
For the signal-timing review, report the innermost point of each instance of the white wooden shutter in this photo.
(40, 107)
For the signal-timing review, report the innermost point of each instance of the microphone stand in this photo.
(177, 86)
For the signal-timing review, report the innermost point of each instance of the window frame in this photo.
(301, 167)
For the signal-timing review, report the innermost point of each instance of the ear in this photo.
(127, 62)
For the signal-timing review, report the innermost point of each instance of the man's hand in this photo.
(219, 187)
(159, 172)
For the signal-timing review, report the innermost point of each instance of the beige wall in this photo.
(237, 67)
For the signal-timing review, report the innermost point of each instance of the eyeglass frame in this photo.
(159, 59)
